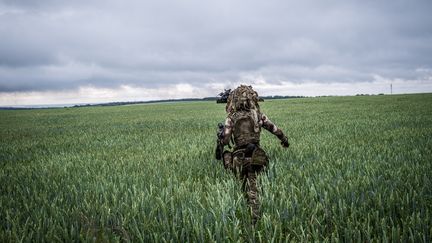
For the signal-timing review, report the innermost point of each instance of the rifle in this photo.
(219, 141)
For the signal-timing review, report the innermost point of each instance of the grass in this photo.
(358, 169)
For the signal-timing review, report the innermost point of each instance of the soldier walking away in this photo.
(243, 126)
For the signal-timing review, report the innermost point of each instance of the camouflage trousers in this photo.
(247, 173)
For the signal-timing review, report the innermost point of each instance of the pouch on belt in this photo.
(259, 157)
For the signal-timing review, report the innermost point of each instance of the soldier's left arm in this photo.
(271, 127)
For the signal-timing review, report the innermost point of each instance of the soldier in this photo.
(243, 125)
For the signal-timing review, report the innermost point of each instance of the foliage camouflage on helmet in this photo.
(242, 98)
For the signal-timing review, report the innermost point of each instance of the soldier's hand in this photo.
(284, 142)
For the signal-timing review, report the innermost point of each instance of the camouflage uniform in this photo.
(243, 126)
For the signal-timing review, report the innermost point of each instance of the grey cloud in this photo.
(52, 45)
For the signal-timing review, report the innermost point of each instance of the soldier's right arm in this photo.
(271, 127)
(227, 131)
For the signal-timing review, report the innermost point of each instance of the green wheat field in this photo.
(358, 169)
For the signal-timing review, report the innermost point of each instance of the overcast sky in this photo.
(59, 52)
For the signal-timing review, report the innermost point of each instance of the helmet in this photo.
(242, 98)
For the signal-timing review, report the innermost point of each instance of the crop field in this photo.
(358, 169)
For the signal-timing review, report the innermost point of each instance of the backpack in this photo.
(243, 109)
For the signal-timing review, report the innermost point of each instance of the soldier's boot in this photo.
(252, 196)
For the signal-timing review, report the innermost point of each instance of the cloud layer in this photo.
(49, 46)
